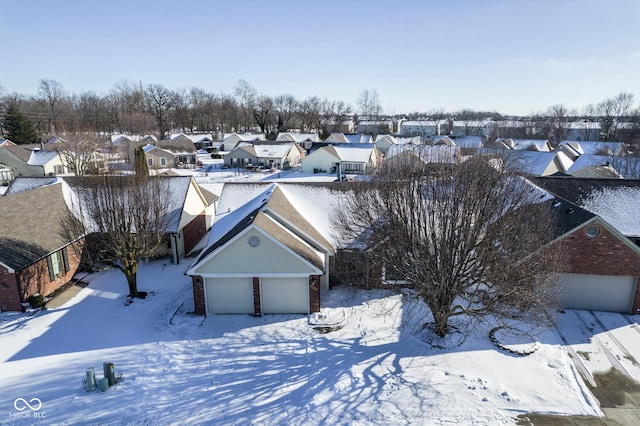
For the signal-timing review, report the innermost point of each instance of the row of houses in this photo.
(271, 249)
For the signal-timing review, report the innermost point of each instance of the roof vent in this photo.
(556, 204)
(569, 211)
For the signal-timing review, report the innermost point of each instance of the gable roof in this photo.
(32, 225)
(615, 200)
(594, 166)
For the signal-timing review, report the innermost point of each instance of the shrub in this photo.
(36, 300)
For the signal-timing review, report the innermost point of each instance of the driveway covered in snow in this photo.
(275, 369)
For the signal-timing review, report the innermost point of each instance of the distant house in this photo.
(342, 159)
(375, 126)
(384, 142)
(231, 140)
(268, 155)
(33, 160)
(541, 145)
(199, 140)
(593, 166)
(179, 153)
(596, 148)
(535, 163)
(6, 142)
(422, 128)
(583, 130)
(337, 138)
(426, 154)
(346, 125)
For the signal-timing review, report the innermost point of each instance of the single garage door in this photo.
(230, 295)
(597, 292)
(285, 295)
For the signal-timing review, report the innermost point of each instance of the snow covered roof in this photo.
(427, 153)
(359, 153)
(593, 166)
(22, 184)
(272, 150)
(530, 162)
(42, 157)
(538, 144)
(618, 206)
(596, 148)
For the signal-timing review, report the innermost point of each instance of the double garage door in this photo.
(597, 292)
(277, 295)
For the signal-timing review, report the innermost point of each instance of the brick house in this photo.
(35, 255)
(263, 256)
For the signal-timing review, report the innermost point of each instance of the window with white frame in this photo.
(150, 162)
(163, 161)
(58, 169)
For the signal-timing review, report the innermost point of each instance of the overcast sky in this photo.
(511, 56)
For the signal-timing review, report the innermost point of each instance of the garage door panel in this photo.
(229, 295)
(597, 292)
(285, 295)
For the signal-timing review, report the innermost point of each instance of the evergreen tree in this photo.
(140, 165)
(19, 128)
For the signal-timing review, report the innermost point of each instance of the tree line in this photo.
(137, 108)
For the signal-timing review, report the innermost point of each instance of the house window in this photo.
(592, 231)
(58, 169)
(163, 161)
(150, 162)
(391, 276)
(58, 264)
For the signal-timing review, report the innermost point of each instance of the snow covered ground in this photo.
(236, 369)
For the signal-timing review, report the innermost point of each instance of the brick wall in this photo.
(35, 278)
(604, 254)
(200, 308)
(194, 231)
(9, 294)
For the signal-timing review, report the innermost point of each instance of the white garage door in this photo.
(597, 292)
(284, 295)
(230, 295)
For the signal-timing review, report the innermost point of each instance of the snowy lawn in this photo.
(234, 369)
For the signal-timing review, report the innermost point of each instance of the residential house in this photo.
(337, 138)
(178, 153)
(425, 154)
(305, 140)
(346, 125)
(264, 255)
(199, 140)
(535, 163)
(375, 126)
(583, 130)
(424, 128)
(36, 256)
(33, 160)
(593, 166)
(384, 142)
(268, 155)
(342, 159)
(600, 240)
(6, 142)
(596, 148)
(231, 140)
(541, 145)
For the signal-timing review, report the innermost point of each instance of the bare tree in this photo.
(612, 111)
(285, 109)
(466, 238)
(52, 93)
(160, 103)
(261, 111)
(79, 153)
(125, 219)
(246, 95)
(369, 103)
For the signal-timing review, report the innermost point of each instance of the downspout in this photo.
(175, 248)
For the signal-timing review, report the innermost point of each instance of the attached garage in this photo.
(598, 292)
(229, 295)
(284, 295)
